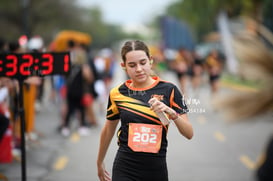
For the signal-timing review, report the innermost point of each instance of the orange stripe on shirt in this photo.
(148, 117)
(172, 103)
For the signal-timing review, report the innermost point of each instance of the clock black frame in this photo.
(23, 65)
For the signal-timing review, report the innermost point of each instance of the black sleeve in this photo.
(93, 68)
(4, 123)
(177, 102)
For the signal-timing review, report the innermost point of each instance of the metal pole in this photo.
(25, 17)
(22, 121)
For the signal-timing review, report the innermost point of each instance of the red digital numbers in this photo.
(47, 64)
(23, 65)
(11, 65)
(66, 63)
(1, 64)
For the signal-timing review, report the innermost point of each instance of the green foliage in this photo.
(48, 17)
(201, 15)
(237, 80)
(30, 17)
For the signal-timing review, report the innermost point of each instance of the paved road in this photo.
(219, 151)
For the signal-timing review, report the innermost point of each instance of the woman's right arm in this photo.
(106, 136)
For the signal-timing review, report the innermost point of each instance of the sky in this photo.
(129, 13)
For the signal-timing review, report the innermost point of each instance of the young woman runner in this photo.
(142, 137)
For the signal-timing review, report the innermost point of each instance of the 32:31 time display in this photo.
(23, 65)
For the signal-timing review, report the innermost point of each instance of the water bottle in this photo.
(163, 118)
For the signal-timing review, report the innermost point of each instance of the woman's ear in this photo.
(151, 60)
(122, 66)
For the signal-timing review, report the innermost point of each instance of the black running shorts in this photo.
(133, 167)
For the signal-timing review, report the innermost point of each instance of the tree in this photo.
(48, 17)
(43, 17)
(201, 15)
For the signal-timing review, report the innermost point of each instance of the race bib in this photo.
(144, 137)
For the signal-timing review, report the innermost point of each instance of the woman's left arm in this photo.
(181, 120)
(183, 125)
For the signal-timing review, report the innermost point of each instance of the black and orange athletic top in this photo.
(130, 105)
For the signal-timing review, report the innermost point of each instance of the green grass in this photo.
(236, 80)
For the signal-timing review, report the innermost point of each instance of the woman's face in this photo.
(138, 67)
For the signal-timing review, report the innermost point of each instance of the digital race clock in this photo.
(23, 65)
